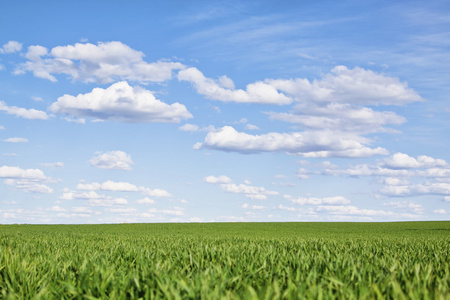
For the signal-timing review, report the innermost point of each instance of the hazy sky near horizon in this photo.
(201, 111)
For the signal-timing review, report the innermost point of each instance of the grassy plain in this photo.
(409, 260)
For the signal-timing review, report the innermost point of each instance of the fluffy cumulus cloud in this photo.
(308, 143)
(103, 63)
(404, 161)
(189, 127)
(400, 174)
(23, 112)
(332, 110)
(11, 47)
(398, 165)
(224, 90)
(341, 117)
(113, 160)
(217, 179)
(353, 86)
(249, 191)
(120, 102)
(28, 180)
(114, 186)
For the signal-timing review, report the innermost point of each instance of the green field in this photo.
(409, 260)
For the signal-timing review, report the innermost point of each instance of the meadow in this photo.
(407, 260)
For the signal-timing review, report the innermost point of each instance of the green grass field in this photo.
(408, 260)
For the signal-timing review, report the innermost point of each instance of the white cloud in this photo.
(394, 181)
(120, 102)
(355, 86)
(441, 211)
(219, 179)
(76, 120)
(353, 210)
(16, 172)
(69, 195)
(11, 47)
(103, 63)
(427, 188)
(113, 160)
(29, 186)
(308, 143)
(288, 208)
(399, 165)
(404, 161)
(28, 180)
(16, 140)
(23, 113)
(406, 206)
(146, 200)
(108, 202)
(93, 198)
(156, 192)
(254, 207)
(337, 200)
(114, 186)
(251, 127)
(394, 169)
(340, 117)
(223, 89)
(54, 165)
(251, 192)
(303, 173)
(189, 127)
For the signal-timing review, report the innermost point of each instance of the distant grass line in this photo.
(405, 260)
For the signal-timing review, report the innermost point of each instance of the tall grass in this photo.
(234, 261)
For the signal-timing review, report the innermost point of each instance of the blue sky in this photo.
(192, 111)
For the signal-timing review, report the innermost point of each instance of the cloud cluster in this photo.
(27, 180)
(352, 86)
(112, 160)
(32, 114)
(249, 191)
(352, 210)
(333, 206)
(102, 63)
(114, 186)
(11, 47)
(120, 102)
(341, 117)
(309, 144)
(332, 109)
(93, 198)
(224, 90)
(396, 171)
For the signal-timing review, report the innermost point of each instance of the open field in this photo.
(226, 260)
